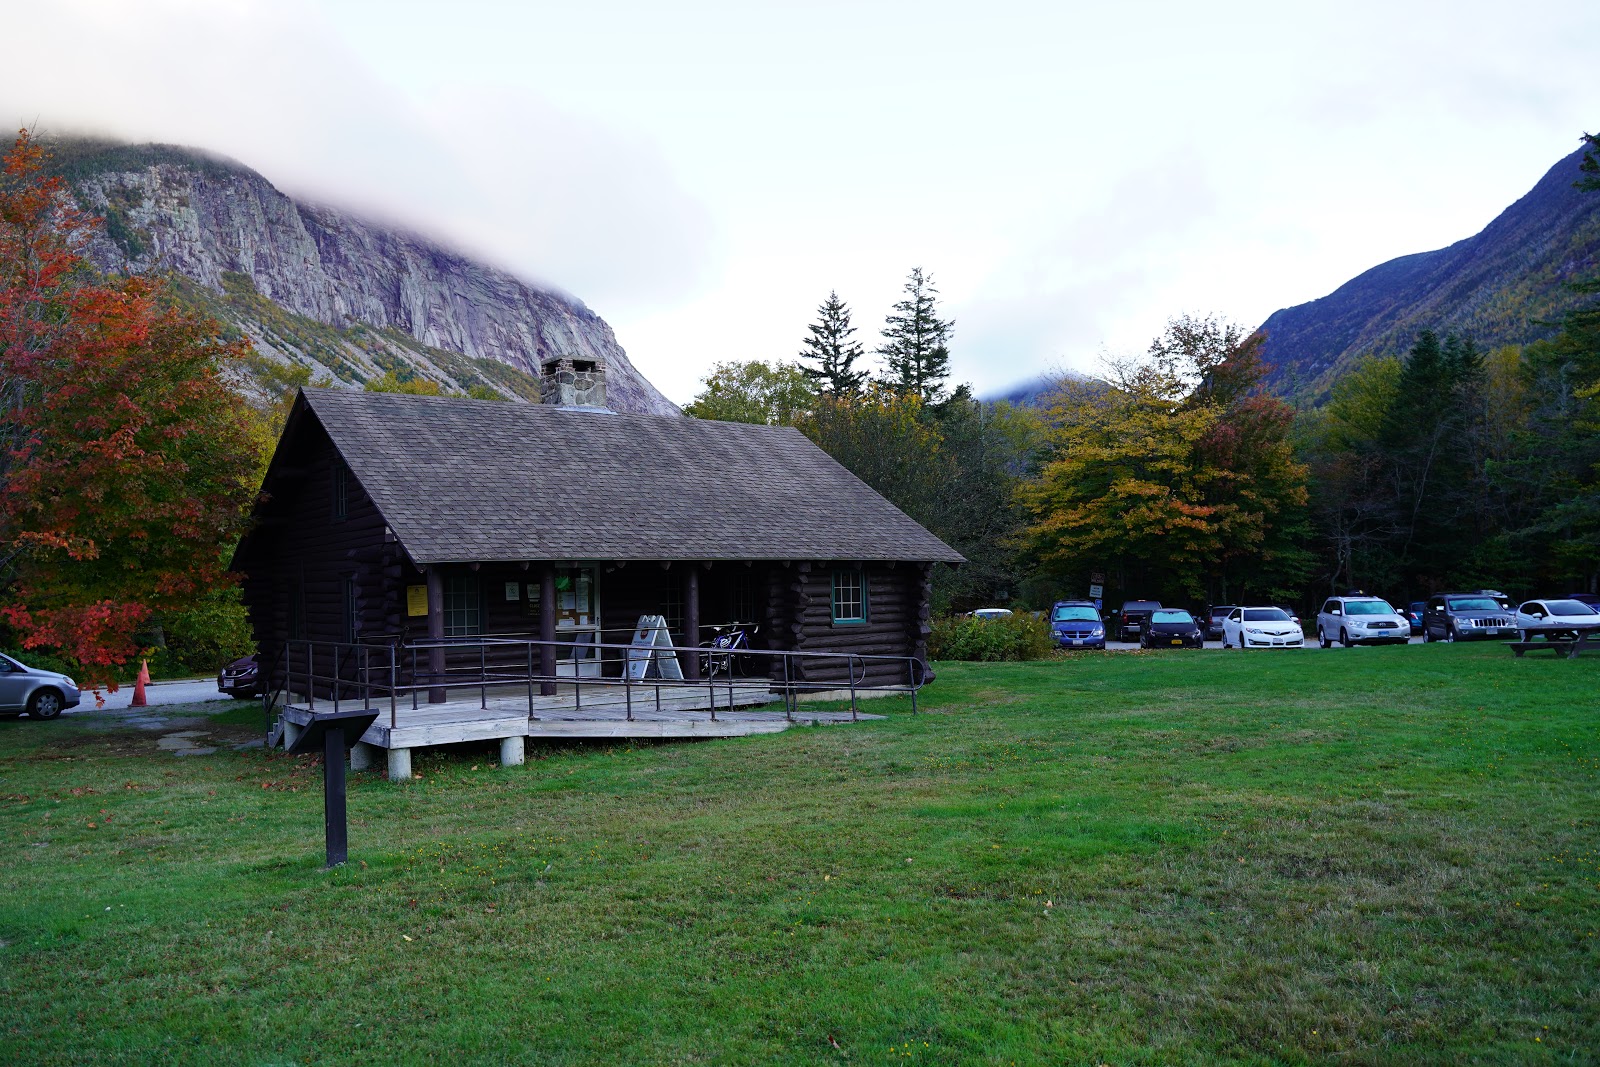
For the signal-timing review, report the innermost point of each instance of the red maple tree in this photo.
(126, 465)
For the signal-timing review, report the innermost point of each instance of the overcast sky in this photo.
(703, 173)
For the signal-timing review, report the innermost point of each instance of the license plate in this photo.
(1177, 640)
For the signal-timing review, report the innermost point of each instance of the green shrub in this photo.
(209, 635)
(1019, 636)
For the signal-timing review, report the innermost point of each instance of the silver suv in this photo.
(1467, 616)
(1361, 620)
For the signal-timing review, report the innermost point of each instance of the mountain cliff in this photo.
(1503, 286)
(320, 287)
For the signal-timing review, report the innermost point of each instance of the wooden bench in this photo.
(1588, 640)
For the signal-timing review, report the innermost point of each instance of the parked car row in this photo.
(1078, 624)
(1353, 619)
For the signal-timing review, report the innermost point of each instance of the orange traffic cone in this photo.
(143, 680)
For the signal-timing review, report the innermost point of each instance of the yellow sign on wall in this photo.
(416, 600)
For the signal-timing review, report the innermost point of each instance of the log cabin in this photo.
(388, 519)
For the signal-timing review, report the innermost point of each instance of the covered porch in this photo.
(498, 689)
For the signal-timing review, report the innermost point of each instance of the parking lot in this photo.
(1311, 645)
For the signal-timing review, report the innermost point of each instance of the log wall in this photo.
(801, 602)
(298, 558)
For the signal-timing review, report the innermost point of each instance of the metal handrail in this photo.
(385, 679)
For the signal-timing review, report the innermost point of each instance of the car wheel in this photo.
(45, 704)
(1322, 638)
(1344, 637)
(1450, 634)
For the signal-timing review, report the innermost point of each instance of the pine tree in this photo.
(828, 356)
(915, 352)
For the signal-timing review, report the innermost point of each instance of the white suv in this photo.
(1361, 620)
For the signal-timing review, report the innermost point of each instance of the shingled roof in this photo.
(475, 480)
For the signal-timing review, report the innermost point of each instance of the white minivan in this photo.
(1361, 620)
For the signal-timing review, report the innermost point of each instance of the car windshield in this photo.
(1266, 615)
(1219, 613)
(1077, 614)
(1367, 607)
(1169, 615)
(1473, 603)
(1570, 607)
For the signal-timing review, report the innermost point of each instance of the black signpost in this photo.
(333, 732)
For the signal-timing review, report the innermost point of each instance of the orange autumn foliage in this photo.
(125, 460)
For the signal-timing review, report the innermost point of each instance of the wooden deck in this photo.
(598, 710)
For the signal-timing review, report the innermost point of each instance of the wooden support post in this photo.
(436, 692)
(691, 619)
(547, 626)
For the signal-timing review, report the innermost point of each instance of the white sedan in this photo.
(1553, 618)
(1261, 628)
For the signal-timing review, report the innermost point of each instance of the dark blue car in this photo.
(1077, 624)
(1413, 615)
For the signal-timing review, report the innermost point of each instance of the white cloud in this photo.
(498, 171)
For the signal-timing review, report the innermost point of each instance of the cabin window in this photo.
(742, 600)
(341, 490)
(672, 607)
(350, 609)
(463, 614)
(849, 595)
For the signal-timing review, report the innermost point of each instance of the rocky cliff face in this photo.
(320, 287)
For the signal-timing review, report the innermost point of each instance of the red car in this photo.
(240, 679)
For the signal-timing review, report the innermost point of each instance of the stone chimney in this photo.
(568, 382)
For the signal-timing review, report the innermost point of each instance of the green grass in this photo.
(1373, 856)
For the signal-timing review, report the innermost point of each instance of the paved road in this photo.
(156, 694)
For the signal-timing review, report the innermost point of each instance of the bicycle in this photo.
(720, 654)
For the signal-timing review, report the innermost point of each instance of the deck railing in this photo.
(392, 673)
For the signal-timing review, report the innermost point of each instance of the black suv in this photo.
(1466, 616)
(1133, 616)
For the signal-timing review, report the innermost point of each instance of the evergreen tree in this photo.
(1431, 458)
(915, 348)
(828, 356)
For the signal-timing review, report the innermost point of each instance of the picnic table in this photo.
(1583, 639)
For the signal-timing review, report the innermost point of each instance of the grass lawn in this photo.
(1374, 856)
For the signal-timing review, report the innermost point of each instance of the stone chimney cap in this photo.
(573, 382)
